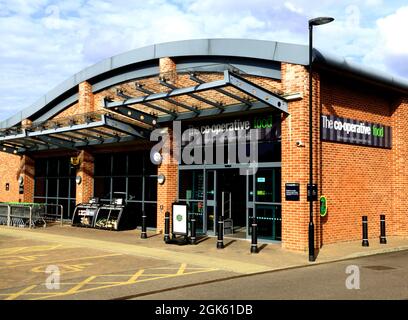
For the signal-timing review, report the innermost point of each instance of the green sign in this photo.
(323, 206)
(179, 217)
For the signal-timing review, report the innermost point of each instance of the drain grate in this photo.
(379, 268)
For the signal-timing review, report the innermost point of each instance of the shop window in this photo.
(102, 187)
(40, 187)
(135, 187)
(103, 165)
(267, 185)
(191, 184)
(119, 165)
(150, 188)
(135, 164)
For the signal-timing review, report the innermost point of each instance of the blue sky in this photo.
(44, 42)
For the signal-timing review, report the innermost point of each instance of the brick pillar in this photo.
(167, 192)
(85, 98)
(27, 172)
(397, 224)
(84, 191)
(295, 159)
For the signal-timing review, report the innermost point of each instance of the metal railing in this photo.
(29, 214)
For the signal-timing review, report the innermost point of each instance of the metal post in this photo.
(167, 227)
(193, 229)
(383, 239)
(8, 215)
(31, 216)
(311, 225)
(62, 215)
(220, 240)
(143, 234)
(365, 232)
(254, 236)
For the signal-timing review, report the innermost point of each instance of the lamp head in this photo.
(320, 20)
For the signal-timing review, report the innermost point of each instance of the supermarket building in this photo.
(105, 114)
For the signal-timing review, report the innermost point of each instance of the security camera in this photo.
(299, 144)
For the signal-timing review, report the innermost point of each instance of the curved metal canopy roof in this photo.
(256, 50)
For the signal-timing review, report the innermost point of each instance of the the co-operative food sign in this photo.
(352, 131)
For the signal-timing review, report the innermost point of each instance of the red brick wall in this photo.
(295, 159)
(10, 168)
(357, 180)
(399, 169)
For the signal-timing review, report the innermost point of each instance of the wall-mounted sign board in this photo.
(292, 191)
(337, 129)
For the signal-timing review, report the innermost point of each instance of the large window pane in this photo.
(151, 188)
(63, 187)
(267, 185)
(119, 164)
(40, 167)
(135, 188)
(52, 187)
(103, 165)
(118, 185)
(191, 184)
(102, 188)
(135, 164)
(53, 167)
(40, 187)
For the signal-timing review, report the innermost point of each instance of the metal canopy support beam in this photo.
(103, 133)
(175, 102)
(222, 91)
(57, 142)
(166, 95)
(135, 114)
(71, 137)
(192, 95)
(14, 136)
(67, 129)
(150, 105)
(10, 150)
(124, 127)
(256, 91)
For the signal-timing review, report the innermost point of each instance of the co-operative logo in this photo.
(179, 217)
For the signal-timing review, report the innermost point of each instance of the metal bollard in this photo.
(143, 234)
(193, 229)
(220, 240)
(167, 227)
(365, 232)
(383, 239)
(254, 236)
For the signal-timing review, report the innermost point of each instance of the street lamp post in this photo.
(312, 22)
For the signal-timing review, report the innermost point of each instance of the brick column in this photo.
(397, 224)
(295, 159)
(84, 191)
(27, 172)
(167, 193)
(85, 98)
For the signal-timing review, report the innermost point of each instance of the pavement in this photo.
(99, 264)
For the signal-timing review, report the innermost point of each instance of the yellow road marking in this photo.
(182, 268)
(80, 285)
(14, 259)
(14, 250)
(123, 283)
(64, 268)
(134, 278)
(20, 293)
(65, 260)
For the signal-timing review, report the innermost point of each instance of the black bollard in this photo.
(167, 227)
(143, 234)
(365, 232)
(254, 236)
(220, 240)
(193, 229)
(383, 239)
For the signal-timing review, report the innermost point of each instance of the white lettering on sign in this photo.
(346, 126)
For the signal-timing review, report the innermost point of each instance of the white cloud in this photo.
(44, 41)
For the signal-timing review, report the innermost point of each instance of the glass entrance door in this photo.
(211, 201)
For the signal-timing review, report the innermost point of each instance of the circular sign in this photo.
(179, 217)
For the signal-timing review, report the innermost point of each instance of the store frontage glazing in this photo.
(231, 189)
